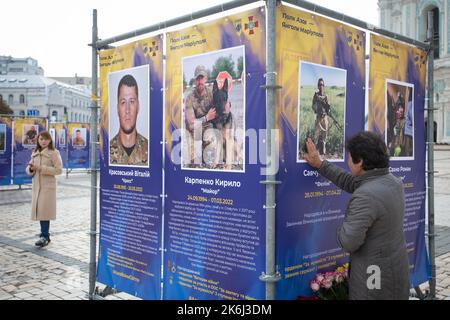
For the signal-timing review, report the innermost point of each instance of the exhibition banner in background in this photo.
(26, 131)
(396, 111)
(131, 80)
(321, 68)
(214, 228)
(5, 150)
(78, 138)
(58, 132)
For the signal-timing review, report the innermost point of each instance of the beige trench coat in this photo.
(43, 205)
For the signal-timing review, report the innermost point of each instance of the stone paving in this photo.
(60, 270)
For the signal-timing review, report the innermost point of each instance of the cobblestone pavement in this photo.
(60, 270)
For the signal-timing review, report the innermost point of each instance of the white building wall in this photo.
(414, 24)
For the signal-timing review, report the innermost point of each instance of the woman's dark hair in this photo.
(46, 136)
(370, 148)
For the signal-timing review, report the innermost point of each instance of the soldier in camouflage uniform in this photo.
(198, 116)
(321, 108)
(78, 140)
(138, 156)
(128, 147)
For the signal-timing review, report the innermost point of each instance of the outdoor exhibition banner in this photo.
(78, 138)
(321, 68)
(26, 131)
(214, 229)
(5, 150)
(58, 132)
(396, 111)
(131, 80)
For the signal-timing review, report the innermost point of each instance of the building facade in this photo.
(10, 65)
(410, 18)
(30, 93)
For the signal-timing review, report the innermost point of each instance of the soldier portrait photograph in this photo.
(2, 137)
(79, 137)
(129, 122)
(321, 110)
(29, 134)
(62, 137)
(52, 132)
(213, 117)
(399, 133)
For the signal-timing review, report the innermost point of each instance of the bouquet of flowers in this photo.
(331, 285)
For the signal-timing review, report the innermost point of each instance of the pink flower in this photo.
(319, 277)
(339, 278)
(329, 276)
(315, 286)
(327, 283)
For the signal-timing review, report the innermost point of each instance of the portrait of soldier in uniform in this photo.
(53, 135)
(29, 136)
(2, 137)
(78, 139)
(214, 111)
(321, 111)
(128, 147)
(399, 132)
(62, 137)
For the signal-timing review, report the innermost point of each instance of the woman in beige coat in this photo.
(44, 165)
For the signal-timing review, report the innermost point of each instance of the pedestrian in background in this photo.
(372, 230)
(44, 165)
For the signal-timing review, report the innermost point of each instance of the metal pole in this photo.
(271, 276)
(176, 21)
(94, 143)
(358, 23)
(430, 160)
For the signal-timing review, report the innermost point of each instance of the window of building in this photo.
(436, 37)
(55, 114)
(22, 99)
(436, 30)
(10, 99)
(22, 113)
(1, 97)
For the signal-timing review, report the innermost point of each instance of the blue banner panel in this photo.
(131, 80)
(214, 228)
(317, 60)
(396, 111)
(5, 150)
(78, 139)
(26, 131)
(58, 132)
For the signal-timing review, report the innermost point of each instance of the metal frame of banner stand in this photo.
(271, 275)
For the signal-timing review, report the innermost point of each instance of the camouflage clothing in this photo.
(321, 108)
(139, 155)
(196, 108)
(79, 142)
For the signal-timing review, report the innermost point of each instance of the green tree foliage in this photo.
(223, 64)
(4, 108)
(240, 66)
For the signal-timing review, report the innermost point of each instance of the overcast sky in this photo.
(57, 32)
